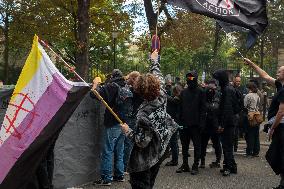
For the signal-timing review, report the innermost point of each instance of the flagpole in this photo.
(71, 69)
(66, 64)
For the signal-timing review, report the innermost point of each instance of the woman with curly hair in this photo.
(154, 128)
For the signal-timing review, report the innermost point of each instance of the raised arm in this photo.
(155, 67)
(261, 72)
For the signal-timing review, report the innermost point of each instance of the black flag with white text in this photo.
(250, 14)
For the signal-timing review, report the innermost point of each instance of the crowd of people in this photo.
(156, 113)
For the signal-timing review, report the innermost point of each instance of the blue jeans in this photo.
(114, 143)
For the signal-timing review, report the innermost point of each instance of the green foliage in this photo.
(56, 22)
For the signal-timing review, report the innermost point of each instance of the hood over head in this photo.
(116, 73)
(222, 77)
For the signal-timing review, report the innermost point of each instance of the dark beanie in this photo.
(116, 73)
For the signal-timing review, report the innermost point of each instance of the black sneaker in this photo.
(102, 182)
(194, 170)
(183, 168)
(118, 179)
(171, 163)
(214, 164)
(234, 170)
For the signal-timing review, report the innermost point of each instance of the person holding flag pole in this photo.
(275, 153)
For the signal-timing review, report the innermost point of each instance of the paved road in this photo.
(253, 173)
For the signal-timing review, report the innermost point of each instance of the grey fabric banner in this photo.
(77, 150)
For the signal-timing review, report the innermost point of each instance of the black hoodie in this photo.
(109, 92)
(193, 103)
(229, 107)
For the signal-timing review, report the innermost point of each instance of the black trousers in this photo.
(215, 138)
(144, 179)
(253, 144)
(275, 153)
(237, 131)
(227, 138)
(194, 134)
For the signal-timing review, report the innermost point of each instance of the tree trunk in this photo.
(217, 41)
(151, 15)
(82, 53)
(216, 45)
(6, 49)
(275, 47)
(261, 52)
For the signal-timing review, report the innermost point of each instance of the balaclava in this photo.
(191, 79)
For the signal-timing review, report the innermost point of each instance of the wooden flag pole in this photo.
(71, 69)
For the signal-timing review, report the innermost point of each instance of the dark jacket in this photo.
(137, 101)
(109, 92)
(229, 106)
(240, 97)
(212, 111)
(173, 108)
(154, 128)
(192, 107)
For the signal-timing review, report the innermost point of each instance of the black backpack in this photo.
(124, 103)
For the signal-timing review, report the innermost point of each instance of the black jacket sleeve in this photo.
(202, 119)
(108, 92)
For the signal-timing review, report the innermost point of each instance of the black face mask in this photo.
(191, 84)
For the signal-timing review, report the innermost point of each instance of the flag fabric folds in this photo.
(250, 14)
(251, 35)
(42, 102)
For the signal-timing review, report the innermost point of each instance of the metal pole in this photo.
(114, 48)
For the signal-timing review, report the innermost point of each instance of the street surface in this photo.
(253, 173)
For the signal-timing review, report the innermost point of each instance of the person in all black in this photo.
(212, 124)
(275, 153)
(228, 114)
(240, 128)
(192, 117)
